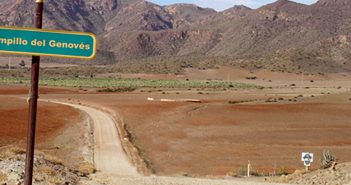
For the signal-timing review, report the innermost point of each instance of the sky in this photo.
(220, 5)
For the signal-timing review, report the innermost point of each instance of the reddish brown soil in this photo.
(52, 119)
(214, 138)
(13, 90)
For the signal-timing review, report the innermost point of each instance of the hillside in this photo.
(282, 36)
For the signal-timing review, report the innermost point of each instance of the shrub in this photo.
(251, 78)
(3, 178)
(233, 102)
(17, 151)
(86, 168)
(230, 174)
(282, 171)
(120, 89)
(241, 172)
(327, 159)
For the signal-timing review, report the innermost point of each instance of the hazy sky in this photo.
(224, 4)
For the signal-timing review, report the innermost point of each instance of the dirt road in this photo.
(109, 156)
(114, 167)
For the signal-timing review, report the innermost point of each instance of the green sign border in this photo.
(93, 36)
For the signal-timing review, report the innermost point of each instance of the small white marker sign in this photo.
(307, 158)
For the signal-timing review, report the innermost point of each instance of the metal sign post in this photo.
(33, 101)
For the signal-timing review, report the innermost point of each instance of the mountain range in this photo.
(284, 35)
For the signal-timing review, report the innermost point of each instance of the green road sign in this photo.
(47, 43)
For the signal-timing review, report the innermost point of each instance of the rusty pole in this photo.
(33, 101)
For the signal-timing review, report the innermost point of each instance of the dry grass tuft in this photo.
(17, 151)
(46, 170)
(53, 160)
(9, 152)
(3, 177)
(54, 180)
(86, 168)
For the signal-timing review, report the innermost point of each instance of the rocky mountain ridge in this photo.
(283, 33)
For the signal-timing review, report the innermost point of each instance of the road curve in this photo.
(109, 156)
(115, 168)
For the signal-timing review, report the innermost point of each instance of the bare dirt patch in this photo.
(15, 90)
(51, 120)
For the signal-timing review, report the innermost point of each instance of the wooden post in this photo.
(249, 169)
(33, 102)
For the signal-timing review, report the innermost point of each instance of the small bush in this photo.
(233, 102)
(230, 174)
(17, 151)
(86, 168)
(251, 78)
(241, 172)
(282, 171)
(121, 89)
(327, 159)
(257, 173)
(3, 178)
(185, 174)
